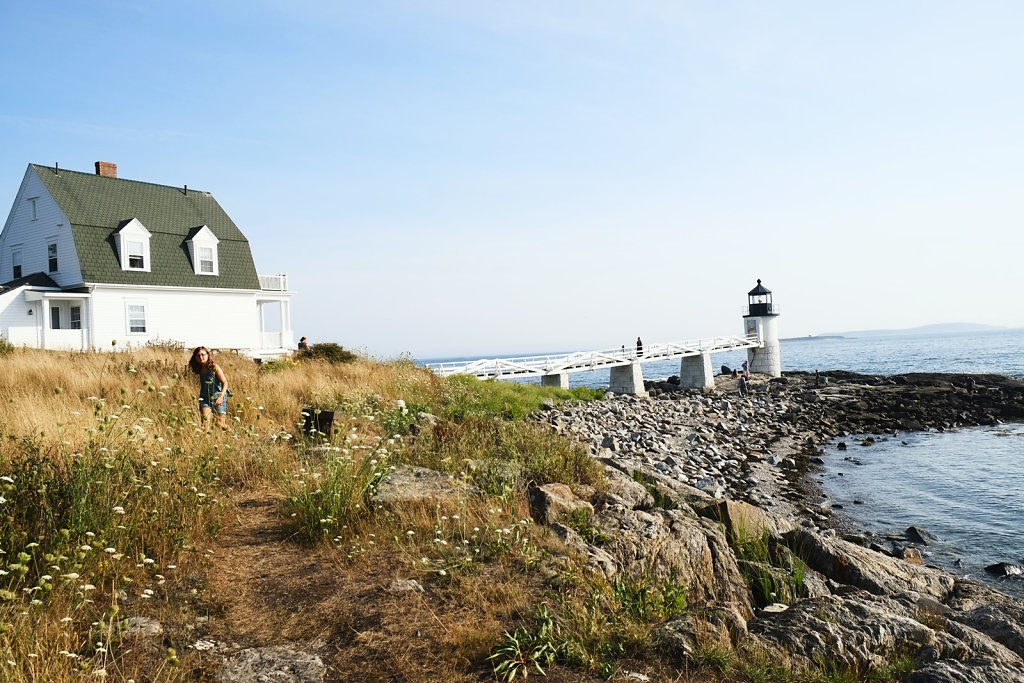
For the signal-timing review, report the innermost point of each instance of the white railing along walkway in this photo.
(536, 366)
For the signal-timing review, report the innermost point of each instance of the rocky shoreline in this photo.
(701, 480)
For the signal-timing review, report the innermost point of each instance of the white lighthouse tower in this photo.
(762, 320)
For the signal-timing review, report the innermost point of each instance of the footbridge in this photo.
(624, 363)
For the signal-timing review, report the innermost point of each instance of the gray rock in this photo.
(407, 484)
(279, 664)
(143, 626)
(551, 503)
(405, 586)
(861, 567)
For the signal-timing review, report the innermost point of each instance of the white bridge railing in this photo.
(537, 366)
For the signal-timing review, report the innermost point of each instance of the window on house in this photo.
(136, 254)
(33, 208)
(51, 255)
(54, 317)
(76, 317)
(16, 263)
(202, 247)
(206, 266)
(132, 241)
(137, 318)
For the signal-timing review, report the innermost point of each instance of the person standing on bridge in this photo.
(639, 347)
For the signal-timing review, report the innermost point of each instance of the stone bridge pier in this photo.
(695, 372)
(627, 379)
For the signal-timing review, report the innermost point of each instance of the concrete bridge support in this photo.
(627, 379)
(558, 379)
(695, 372)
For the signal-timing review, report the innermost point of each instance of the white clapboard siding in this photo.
(33, 236)
(212, 318)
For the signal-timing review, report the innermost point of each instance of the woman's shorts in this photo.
(219, 408)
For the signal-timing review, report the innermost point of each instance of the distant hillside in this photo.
(938, 328)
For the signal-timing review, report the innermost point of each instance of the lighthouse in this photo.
(762, 321)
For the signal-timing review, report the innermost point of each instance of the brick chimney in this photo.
(106, 169)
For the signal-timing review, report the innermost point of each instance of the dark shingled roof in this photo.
(98, 206)
(33, 280)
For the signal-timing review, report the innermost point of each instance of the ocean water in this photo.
(966, 487)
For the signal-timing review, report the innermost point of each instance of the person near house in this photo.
(213, 387)
(639, 347)
(303, 345)
(746, 369)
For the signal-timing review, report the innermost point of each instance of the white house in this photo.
(92, 261)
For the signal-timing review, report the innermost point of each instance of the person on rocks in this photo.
(639, 347)
(743, 385)
(213, 387)
(971, 384)
(746, 369)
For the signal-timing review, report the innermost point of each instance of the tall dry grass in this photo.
(109, 483)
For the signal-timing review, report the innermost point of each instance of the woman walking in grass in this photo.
(213, 387)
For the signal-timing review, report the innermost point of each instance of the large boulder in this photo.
(661, 543)
(855, 565)
(858, 630)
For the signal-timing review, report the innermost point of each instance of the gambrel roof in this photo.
(98, 206)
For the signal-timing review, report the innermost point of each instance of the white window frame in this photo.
(17, 262)
(134, 303)
(204, 239)
(136, 249)
(55, 309)
(133, 234)
(207, 259)
(34, 207)
(75, 322)
(52, 262)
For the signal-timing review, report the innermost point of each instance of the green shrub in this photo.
(465, 396)
(645, 602)
(713, 657)
(579, 521)
(772, 571)
(276, 365)
(327, 501)
(543, 456)
(329, 352)
(6, 347)
(523, 649)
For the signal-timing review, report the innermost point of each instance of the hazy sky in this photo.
(474, 177)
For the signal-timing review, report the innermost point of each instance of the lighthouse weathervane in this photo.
(762, 320)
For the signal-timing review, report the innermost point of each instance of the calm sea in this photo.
(965, 487)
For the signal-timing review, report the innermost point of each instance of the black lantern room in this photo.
(759, 301)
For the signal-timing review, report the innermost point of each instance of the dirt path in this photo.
(265, 590)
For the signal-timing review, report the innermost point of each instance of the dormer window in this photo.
(133, 246)
(202, 247)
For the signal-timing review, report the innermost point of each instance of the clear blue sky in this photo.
(448, 178)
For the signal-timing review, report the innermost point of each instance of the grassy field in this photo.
(115, 501)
